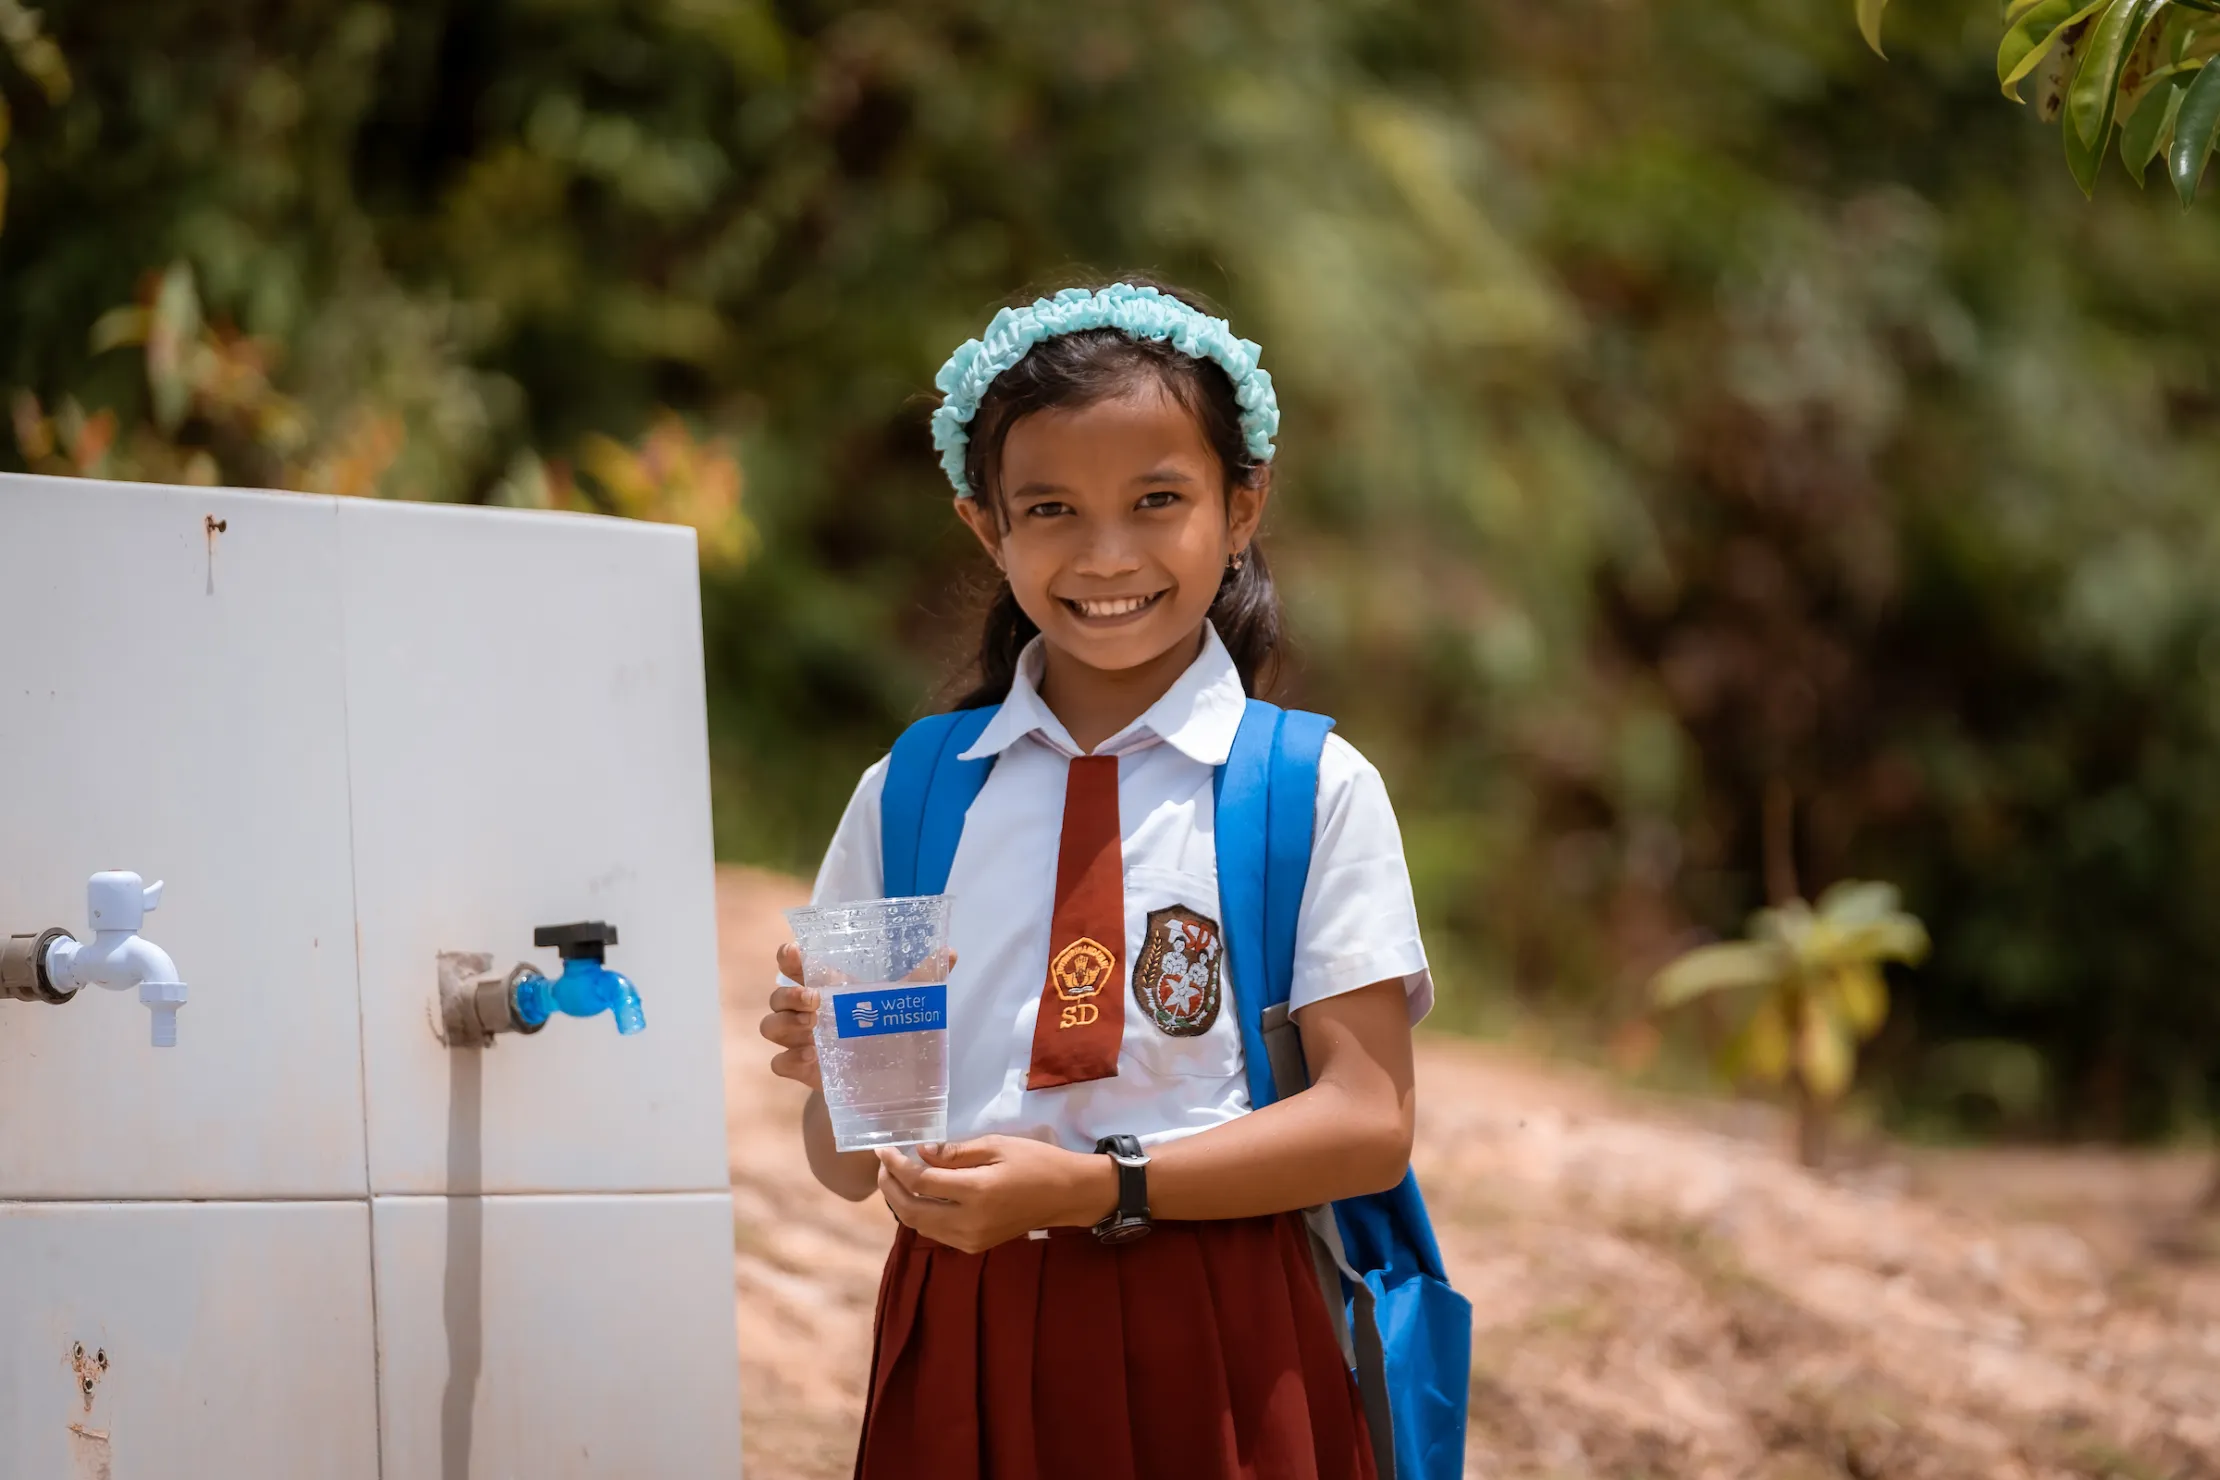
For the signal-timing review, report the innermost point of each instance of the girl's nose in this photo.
(1108, 552)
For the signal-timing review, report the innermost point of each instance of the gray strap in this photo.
(1328, 1233)
(1361, 1348)
(1328, 1260)
(1372, 1388)
(1283, 1051)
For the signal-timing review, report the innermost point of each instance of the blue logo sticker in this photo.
(894, 1008)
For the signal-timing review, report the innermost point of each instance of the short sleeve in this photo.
(1359, 923)
(853, 868)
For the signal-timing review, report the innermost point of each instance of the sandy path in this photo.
(1658, 1292)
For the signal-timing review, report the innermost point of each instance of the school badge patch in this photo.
(1081, 968)
(1178, 982)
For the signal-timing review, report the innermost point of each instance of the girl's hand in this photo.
(976, 1194)
(790, 1024)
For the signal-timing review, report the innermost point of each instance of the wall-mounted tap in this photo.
(587, 987)
(476, 1003)
(52, 965)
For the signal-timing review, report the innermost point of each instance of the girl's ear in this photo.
(984, 525)
(1245, 509)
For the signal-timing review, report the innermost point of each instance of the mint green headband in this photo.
(1143, 313)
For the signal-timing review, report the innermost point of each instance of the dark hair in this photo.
(1082, 369)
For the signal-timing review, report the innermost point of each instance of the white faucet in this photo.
(118, 957)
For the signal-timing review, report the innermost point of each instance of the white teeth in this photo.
(1114, 607)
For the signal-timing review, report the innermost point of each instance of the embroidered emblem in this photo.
(1178, 982)
(1081, 968)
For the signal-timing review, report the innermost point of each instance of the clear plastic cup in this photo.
(881, 973)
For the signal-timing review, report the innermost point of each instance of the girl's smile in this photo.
(1103, 610)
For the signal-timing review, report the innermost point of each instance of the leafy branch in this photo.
(2135, 69)
(1815, 989)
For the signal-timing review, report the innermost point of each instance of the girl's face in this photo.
(1114, 527)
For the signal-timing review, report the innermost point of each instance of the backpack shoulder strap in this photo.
(928, 790)
(1291, 823)
(1407, 1334)
(1266, 805)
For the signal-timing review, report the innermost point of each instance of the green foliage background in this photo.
(1680, 401)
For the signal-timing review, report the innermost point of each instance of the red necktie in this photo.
(1082, 1017)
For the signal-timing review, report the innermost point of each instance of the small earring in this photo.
(1235, 561)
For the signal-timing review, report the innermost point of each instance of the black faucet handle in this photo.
(582, 939)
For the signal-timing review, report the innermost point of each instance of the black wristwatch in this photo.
(1131, 1219)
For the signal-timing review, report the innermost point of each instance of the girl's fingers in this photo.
(794, 1033)
(905, 1204)
(789, 1037)
(790, 960)
(927, 1183)
(954, 1154)
(921, 1182)
(936, 967)
(894, 1164)
(787, 1030)
(793, 999)
(799, 1065)
(947, 1187)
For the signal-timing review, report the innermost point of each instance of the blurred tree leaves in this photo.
(1644, 442)
(672, 477)
(37, 57)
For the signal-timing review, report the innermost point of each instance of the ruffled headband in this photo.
(1143, 313)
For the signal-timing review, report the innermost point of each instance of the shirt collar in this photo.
(1197, 716)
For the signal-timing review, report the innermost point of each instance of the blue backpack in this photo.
(1408, 1336)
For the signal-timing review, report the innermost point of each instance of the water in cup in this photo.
(880, 969)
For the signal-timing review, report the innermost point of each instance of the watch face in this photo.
(1122, 1233)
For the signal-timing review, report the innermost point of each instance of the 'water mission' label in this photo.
(901, 1009)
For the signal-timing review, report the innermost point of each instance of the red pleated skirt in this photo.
(1202, 1351)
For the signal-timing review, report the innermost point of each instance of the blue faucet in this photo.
(586, 988)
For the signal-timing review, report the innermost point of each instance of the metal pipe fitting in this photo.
(23, 975)
(476, 1002)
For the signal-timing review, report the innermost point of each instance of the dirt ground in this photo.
(1657, 1291)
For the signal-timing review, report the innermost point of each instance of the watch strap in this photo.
(1131, 1218)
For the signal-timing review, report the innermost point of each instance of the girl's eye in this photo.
(1047, 508)
(1163, 498)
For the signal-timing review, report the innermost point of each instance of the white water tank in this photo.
(313, 1240)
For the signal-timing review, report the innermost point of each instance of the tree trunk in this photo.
(1778, 827)
(1812, 1124)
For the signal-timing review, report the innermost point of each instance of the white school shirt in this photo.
(1358, 924)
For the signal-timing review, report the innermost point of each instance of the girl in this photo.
(1111, 451)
